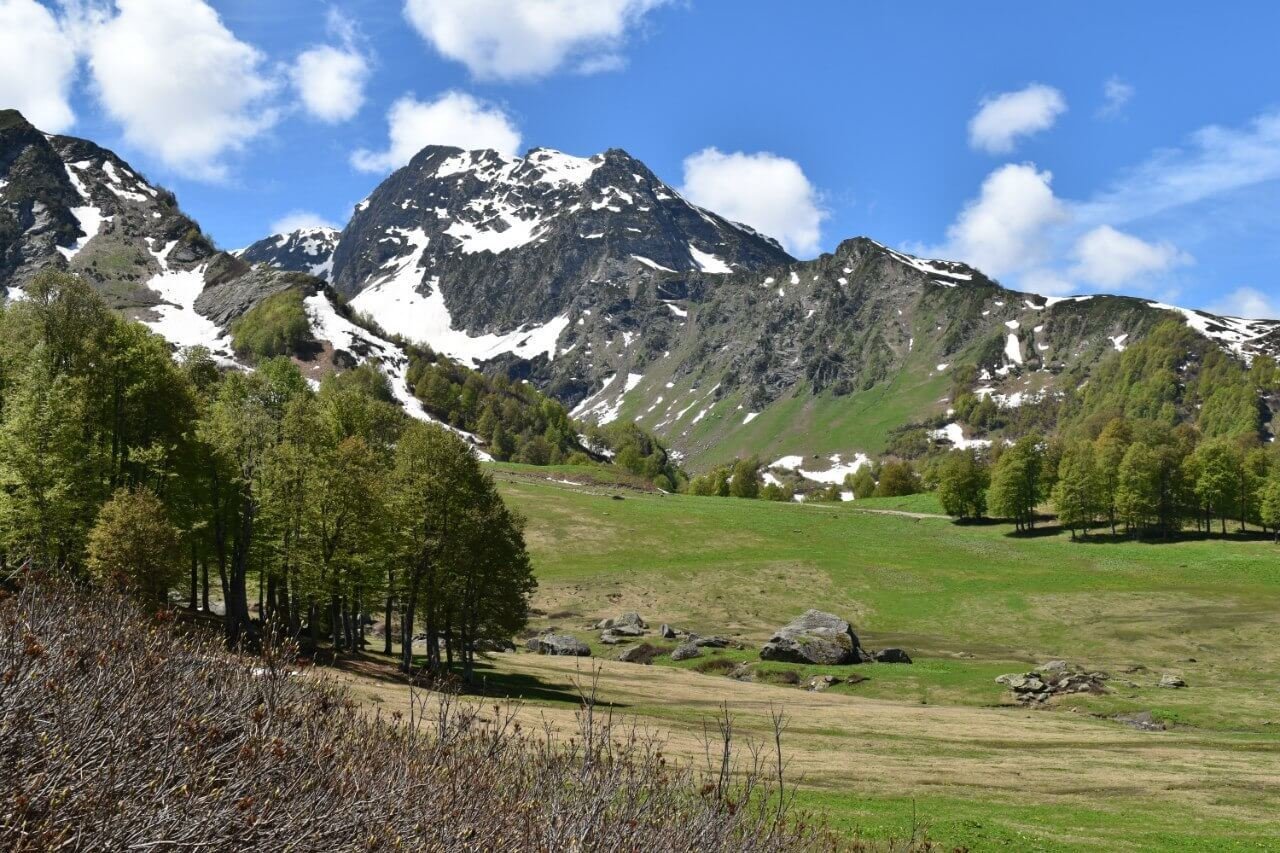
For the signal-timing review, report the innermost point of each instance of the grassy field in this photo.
(968, 603)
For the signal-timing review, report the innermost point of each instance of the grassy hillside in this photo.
(968, 603)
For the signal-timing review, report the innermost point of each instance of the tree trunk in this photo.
(386, 629)
(313, 626)
(195, 578)
(406, 631)
(335, 622)
(204, 585)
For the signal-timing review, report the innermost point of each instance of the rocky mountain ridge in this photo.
(597, 282)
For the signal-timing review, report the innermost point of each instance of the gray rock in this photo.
(815, 637)
(559, 644)
(1171, 681)
(711, 642)
(1141, 720)
(641, 654)
(631, 620)
(819, 683)
(891, 656)
(667, 632)
(686, 651)
(622, 629)
(612, 638)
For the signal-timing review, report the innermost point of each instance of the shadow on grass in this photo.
(1104, 536)
(487, 680)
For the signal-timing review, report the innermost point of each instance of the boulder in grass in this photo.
(641, 654)
(632, 620)
(1171, 681)
(686, 652)
(559, 644)
(667, 632)
(891, 656)
(815, 637)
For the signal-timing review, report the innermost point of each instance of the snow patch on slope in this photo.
(708, 262)
(393, 300)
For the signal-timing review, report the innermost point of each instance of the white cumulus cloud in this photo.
(298, 220)
(37, 65)
(1248, 302)
(767, 192)
(1002, 119)
(330, 79)
(454, 118)
(1006, 229)
(181, 85)
(1111, 258)
(502, 40)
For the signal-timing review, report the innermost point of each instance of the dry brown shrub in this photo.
(119, 732)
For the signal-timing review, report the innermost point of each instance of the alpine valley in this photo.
(596, 283)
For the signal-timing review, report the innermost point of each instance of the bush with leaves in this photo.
(133, 546)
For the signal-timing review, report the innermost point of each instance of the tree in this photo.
(1217, 484)
(48, 491)
(1109, 450)
(746, 478)
(1076, 494)
(861, 483)
(134, 546)
(962, 484)
(897, 478)
(1270, 510)
(1138, 492)
(1015, 483)
(776, 492)
(241, 426)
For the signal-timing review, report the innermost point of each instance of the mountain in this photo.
(605, 288)
(481, 255)
(601, 286)
(68, 204)
(308, 250)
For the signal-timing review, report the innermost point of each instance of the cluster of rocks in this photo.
(624, 629)
(813, 638)
(558, 644)
(632, 626)
(1054, 678)
(826, 639)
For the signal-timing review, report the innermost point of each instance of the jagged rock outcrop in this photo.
(815, 637)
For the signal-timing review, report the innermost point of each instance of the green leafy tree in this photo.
(746, 479)
(897, 478)
(1076, 496)
(861, 483)
(1015, 483)
(963, 480)
(1109, 450)
(1270, 500)
(1138, 492)
(134, 546)
(1217, 483)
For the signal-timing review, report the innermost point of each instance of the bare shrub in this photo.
(120, 732)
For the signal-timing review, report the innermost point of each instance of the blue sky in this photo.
(1062, 147)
